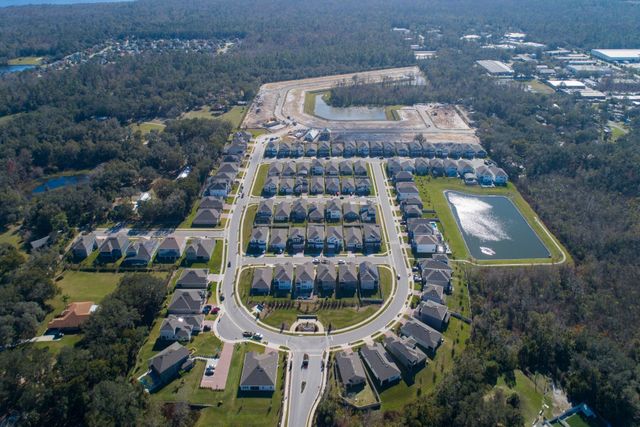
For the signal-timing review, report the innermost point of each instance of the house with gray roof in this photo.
(166, 365)
(264, 213)
(141, 252)
(363, 186)
(362, 148)
(326, 277)
(403, 176)
(186, 301)
(282, 211)
(113, 248)
(351, 371)
(311, 149)
(270, 187)
(316, 211)
(436, 166)
(383, 369)
(349, 149)
(283, 277)
(211, 202)
(303, 168)
(404, 190)
(368, 212)
(402, 149)
(411, 211)
(171, 249)
(261, 282)
(415, 149)
(333, 210)
(350, 212)
(199, 249)
(348, 186)
(484, 175)
(258, 240)
(450, 168)
(278, 240)
(428, 150)
(193, 278)
(375, 148)
(83, 246)
(317, 167)
(299, 210)
(433, 293)
(360, 168)
(422, 166)
(286, 186)
(389, 148)
(426, 337)
(353, 238)
(301, 186)
(368, 276)
(219, 186)
(288, 169)
(332, 168)
(324, 149)
(206, 218)
(500, 177)
(406, 352)
(347, 277)
(317, 185)
(275, 169)
(297, 149)
(423, 244)
(332, 185)
(284, 150)
(372, 238)
(337, 149)
(334, 239)
(271, 150)
(259, 371)
(315, 237)
(393, 166)
(433, 314)
(296, 239)
(305, 277)
(181, 328)
(346, 167)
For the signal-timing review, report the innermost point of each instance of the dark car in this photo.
(247, 334)
(206, 309)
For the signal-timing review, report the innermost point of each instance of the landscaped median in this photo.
(432, 192)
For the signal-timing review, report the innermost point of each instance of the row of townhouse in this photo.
(484, 174)
(315, 238)
(305, 279)
(374, 149)
(273, 185)
(300, 210)
(318, 167)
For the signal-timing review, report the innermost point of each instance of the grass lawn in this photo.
(69, 340)
(432, 195)
(310, 101)
(261, 177)
(386, 281)
(235, 115)
(200, 113)
(618, 129)
(247, 225)
(147, 127)
(257, 132)
(186, 223)
(374, 187)
(26, 60)
(216, 258)
(539, 87)
(391, 112)
(531, 398)
(232, 408)
(12, 236)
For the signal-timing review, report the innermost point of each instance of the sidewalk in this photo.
(218, 380)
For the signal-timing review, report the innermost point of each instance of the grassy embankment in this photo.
(432, 195)
(26, 60)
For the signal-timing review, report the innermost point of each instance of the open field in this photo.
(531, 395)
(539, 87)
(432, 194)
(445, 116)
(147, 127)
(12, 236)
(234, 115)
(261, 177)
(247, 226)
(26, 60)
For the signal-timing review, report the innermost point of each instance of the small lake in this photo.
(325, 111)
(493, 227)
(7, 69)
(60, 182)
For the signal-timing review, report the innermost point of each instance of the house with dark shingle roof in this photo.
(166, 365)
(422, 166)
(299, 210)
(278, 240)
(433, 314)
(270, 187)
(362, 148)
(311, 149)
(288, 169)
(83, 246)
(199, 249)
(333, 210)
(360, 168)
(259, 371)
(206, 218)
(347, 277)
(301, 186)
(428, 338)
(346, 167)
(337, 149)
(315, 237)
(350, 212)
(332, 168)
(296, 239)
(264, 213)
(317, 185)
(375, 148)
(415, 149)
(437, 167)
(303, 168)
(316, 211)
(403, 176)
(350, 370)
(332, 185)
(353, 238)
(282, 212)
(210, 202)
(404, 190)
(363, 186)
(334, 238)
(382, 367)
(284, 150)
(193, 278)
(171, 249)
(286, 186)
(349, 149)
(305, 277)
(326, 277)
(389, 148)
(371, 236)
(261, 282)
(283, 277)
(324, 149)
(406, 352)
(368, 276)
(186, 301)
(258, 240)
(368, 212)
(348, 186)
(141, 252)
(181, 328)
(317, 167)
(271, 150)
(433, 293)
(113, 248)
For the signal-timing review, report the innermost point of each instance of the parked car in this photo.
(257, 336)
(209, 371)
(247, 334)
(206, 309)
(215, 310)
(315, 260)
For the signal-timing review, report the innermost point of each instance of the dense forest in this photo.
(576, 323)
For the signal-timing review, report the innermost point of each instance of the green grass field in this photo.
(147, 127)
(26, 60)
(235, 115)
(261, 177)
(69, 340)
(247, 225)
(391, 112)
(215, 265)
(539, 87)
(12, 236)
(186, 223)
(531, 397)
(432, 195)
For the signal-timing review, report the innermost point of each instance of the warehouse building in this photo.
(496, 68)
(617, 55)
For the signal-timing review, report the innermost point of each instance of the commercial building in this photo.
(617, 55)
(496, 68)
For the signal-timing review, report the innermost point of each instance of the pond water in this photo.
(325, 111)
(59, 182)
(6, 69)
(494, 228)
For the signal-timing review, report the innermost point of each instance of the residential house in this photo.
(347, 277)
(406, 352)
(181, 328)
(372, 239)
(206, 218)
(404, 190)
(346, 167)
(393, 166)
(433, 314)
(349, 149)
(416, 226)
(210, 202)
(278, 240)
(412, 201)
(468, 151)
(360, 168)
(315, 237)
(186, 301)
(286, 186)
(283, 277)
(334, 239)
(325, 135)
(305, 276)
(141, 252)
(428, 150)
(73, 316)
(261, 282)
(376, 149)
(299, 210)
(264, 213)
(304, 168)
(408, 165)
(333, 210)
(301, 186)
(282, 211)
(388, 149)
(415, 149)
(311, 149)
(437, 167)
(369, 276)
(353, 239)
(402, 149)
(275, 169)
(296, 239)
(403, 176)
(351, 371)
(171, 249)
(284, 150)
(426, 337)
(332, 185)
(433, 293)
(317, 185)
(271, 150)
(500, 177)
(382, 367)
(166, 365)
(113, 248)
(337, 149)
(440, 277)
(424, 244)
(480, 152)
(348, 186)
(83, 246)
(297, 149)
(422, 166)
(484, 175)
(270, 187)
(332, 168)
(350, 212)
(199, 249)
(442, 151)
(324, 149)
(470, 179)
(311, 135)
(411, 211)
(465, 167)
(368, 212)
(317, 167)
(258, 240)
(362, 148)
(229, 168)
(455, 151)
(326, 277)
(259, 371)
(193, 278)
(289, 169)
(363, 186)
(219, 187)
(316, 212)
(450, 168)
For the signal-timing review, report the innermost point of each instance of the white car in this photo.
(341, 261)
(315, 261)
